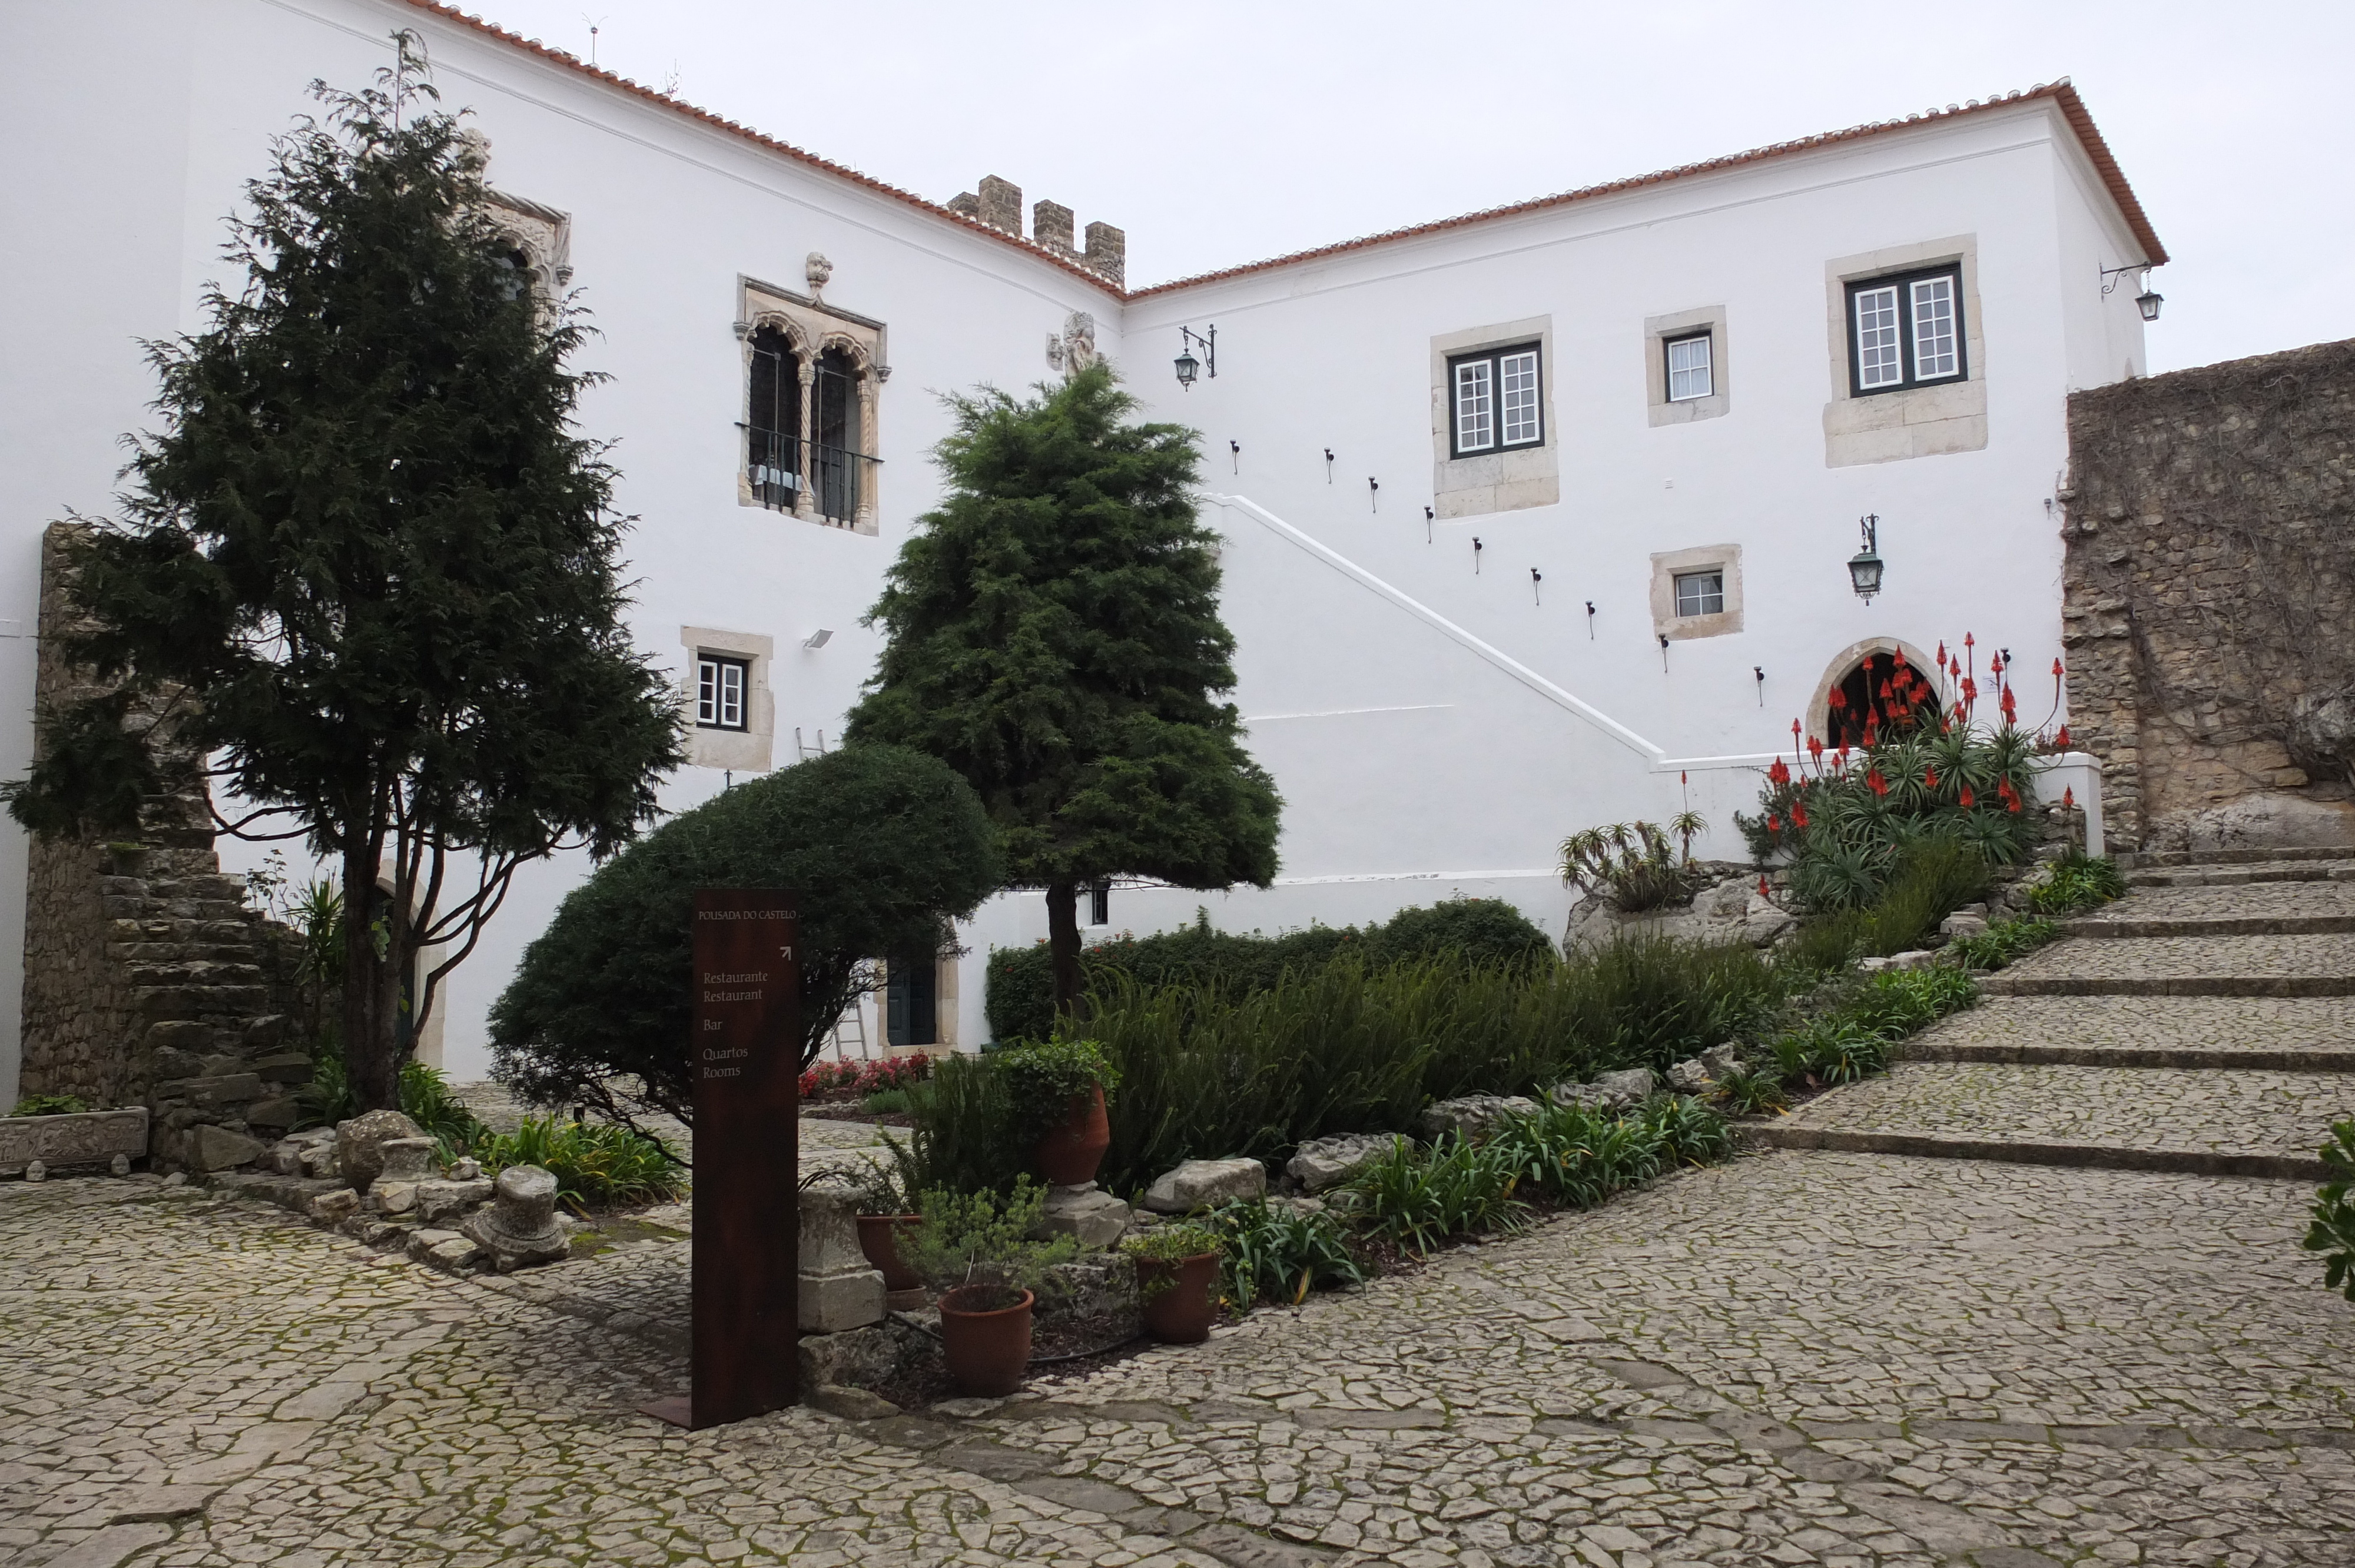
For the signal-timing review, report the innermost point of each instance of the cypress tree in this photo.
(367, 569)
(1054, 636)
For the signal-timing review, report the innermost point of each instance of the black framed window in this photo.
(722, 691)
(1906, 330)
(1495, 400)
(1100, 903)
(772, 447)
(1701, 593)
(835, 450)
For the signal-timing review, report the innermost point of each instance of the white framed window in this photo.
(721, 690)
(1496, 400)
(1476, 405)
(1692, 373)
(1905, 331)
(1701, 593)
(1100, 903)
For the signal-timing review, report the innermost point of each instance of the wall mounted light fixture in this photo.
(1426, 524)
(1760, 670)
(1328, 465)
(1664, 652)
(1537, 593)
(1235, 449)
(1476, 548)
(1187, 363)
(818, 639)
(1589, 621)
(2146, 302)
(1864, 568)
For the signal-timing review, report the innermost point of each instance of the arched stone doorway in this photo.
(1858, 671)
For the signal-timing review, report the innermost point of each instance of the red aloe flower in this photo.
(1762, 887)
(1815, 748)
(1773, 823)
(2069, 798)
(2012, 805)
(2062, 739)
(1838, 700)
(1778, 773)
(1930, 777)
(1799, 814)
(1967, 798)
(2056, 669)
(1875, 782)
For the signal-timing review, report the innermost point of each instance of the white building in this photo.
(1622, 436)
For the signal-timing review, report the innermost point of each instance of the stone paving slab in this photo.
(2185, 966)
(2227, 901)
(2309, 1034)
(2246, 1111)
(2300, 872)
(1796, 1359)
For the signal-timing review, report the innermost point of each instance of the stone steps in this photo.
(2241, 876)
(2249, 1120)
(2244, 856)
(2099, 926)
(2294, 965)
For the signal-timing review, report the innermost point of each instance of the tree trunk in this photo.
(1063, 946)
(371, 994)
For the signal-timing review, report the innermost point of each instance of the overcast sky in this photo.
(1224, 132)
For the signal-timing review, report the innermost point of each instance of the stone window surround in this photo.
(544, 235)
(810, 327)
(1658, 330)
(751, 749)
(1914, 421)
(1669, 565)
(1819, 706)
(1507, 481)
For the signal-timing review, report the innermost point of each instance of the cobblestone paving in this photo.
(235, 1389)
(2307, 873)
(2141, 1107)
(1798, 1357)
(2139, 958)
(2135, 1024)
(2259, 900)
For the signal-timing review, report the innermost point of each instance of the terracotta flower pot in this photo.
(879, 1238)
(1180, 1297)
(1068, 1156)
(985, 1350)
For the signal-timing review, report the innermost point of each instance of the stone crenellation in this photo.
(997, 205)
(2208, 602)
(149, 979)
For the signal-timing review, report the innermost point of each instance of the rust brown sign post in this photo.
(746, 1054)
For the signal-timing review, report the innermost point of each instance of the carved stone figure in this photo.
(1073, 349)
(819, 271)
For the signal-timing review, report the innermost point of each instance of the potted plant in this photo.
(1058, 1088)
(1177, 1281)
(977, 1250)
(884, 1197)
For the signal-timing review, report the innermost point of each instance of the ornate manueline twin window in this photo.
(813, 375)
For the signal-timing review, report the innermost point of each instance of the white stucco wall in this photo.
(1433, 731)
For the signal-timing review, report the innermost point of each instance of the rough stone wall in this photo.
(148, 978)
(2209, 602)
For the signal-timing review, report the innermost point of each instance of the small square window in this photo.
(1907, 331)
(1701, 593)
(1689, 371)
(1100, 903)
(720, 689)
(1496, 400)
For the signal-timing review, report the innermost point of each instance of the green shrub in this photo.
(1647, 1000)
(1632, 862)
(1019, 994)
(2332, 1232)
(1172, 1242)
(2077, 883)
(1279, 1253)
(963, 1136)
(49, 1105)
(1930, 880)
(1419, 1199)
(1827, 942)
(2002, 942)
(594, 1163)
(1686, 1130)
(1043, 1078)
(426, 1098)
(1831, 1050)
(880, 847)
(983, 1238)
(885, 1102)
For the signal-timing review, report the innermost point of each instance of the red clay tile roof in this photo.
(574, 62)
(2073, 108)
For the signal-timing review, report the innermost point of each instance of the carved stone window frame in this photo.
(544, 235)
(1669, 565)
(810, 327)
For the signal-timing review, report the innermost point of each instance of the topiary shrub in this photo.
(880, 847)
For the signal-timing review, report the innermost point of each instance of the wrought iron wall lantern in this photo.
(1188, 365)
(2147, 301)
(1864, 568)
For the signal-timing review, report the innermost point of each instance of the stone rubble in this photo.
(1205, 1184)
(1323, 1163)
(521, 1226)
(1472, 1115)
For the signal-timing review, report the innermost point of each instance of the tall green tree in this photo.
(1054, 636)
(367, 571)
